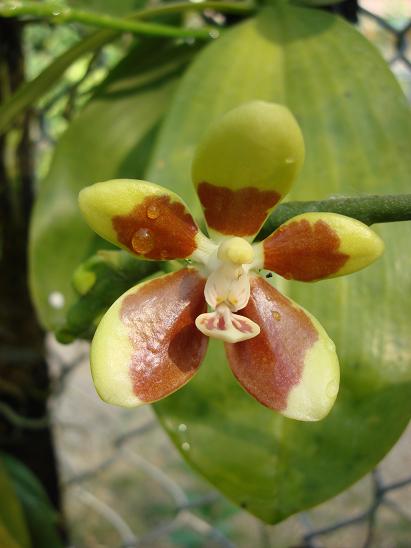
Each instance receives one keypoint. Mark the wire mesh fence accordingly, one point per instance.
(119, 469)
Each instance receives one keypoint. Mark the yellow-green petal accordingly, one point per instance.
(245, 164)
(147, 345)
(315, 246)
(143, 218)
(291, 366)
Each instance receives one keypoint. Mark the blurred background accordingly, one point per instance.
(123, 482)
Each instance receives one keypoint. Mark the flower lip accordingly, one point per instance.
(227, 290)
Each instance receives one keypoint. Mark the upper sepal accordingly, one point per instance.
(314, 246)
(146, 219)
(244, 165)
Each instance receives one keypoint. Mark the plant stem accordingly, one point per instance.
(62, 14)
(33, 90)
(368, 209)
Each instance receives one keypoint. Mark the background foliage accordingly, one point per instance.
(143, 121)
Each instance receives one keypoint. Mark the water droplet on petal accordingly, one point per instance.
(143, 241)
(182, 427)
(332, 389)
(153, 211)
(276, 315)
(185, 446)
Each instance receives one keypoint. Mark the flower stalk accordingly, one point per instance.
(370, 210)
(62, 14)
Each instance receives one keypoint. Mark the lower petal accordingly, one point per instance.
(147, 345)
(291, 366)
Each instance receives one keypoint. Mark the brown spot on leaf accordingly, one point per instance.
(269, 365)
(168, 348)
(304, 251)
(157, 229)
(236, 212)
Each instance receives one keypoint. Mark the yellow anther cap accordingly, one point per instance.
(236, 250)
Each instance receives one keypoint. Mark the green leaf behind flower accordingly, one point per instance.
(111, 138)
(13, 528)
(356, 124)
(41, 519)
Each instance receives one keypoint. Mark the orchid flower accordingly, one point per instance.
(153, 339)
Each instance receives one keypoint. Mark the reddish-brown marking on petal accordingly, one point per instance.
(221, 323)
(157, 229)
(236, 212)
(304, 251)
(242, 326)
(168, 348)
(269, 365)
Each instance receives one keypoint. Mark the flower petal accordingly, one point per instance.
(244, 165)
(313, 246)
(143, 218)
(291, 366)
(147, 345)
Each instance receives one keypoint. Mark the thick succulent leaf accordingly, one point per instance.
(112, 137)
(13, 528)
(356, 126)
(6, 540)
(244, 165)
(315, 246)
(41, 518)
(147, 346)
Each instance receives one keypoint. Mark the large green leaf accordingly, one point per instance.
(111, 138)
(357, 128)
(40, 517)
(13, 527)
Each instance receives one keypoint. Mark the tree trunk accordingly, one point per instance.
(24, 382)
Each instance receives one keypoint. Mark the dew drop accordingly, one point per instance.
(185, 446)
(143, 241)
(332, 389)
(56, 299)
(289, 160)
(182, 427)
(276, 315)
(214, 34)
(153, 211)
